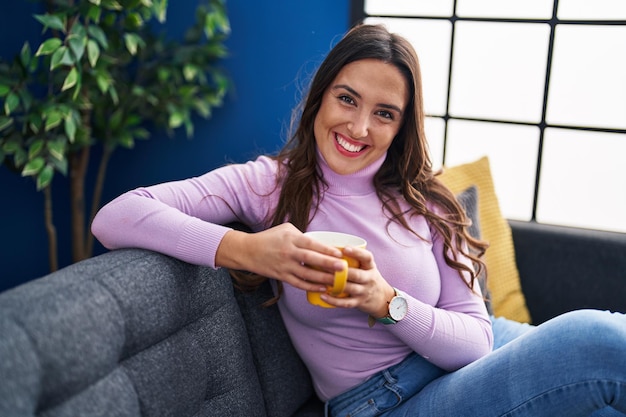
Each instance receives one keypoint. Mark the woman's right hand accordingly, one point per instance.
(281, 252)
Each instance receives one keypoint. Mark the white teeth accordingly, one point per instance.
(348, 146)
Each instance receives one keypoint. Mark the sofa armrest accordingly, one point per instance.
(565, 268)
(128, 332)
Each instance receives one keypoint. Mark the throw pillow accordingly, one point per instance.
(503, 281)
(468, 199)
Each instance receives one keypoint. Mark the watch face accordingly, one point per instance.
(397, 308)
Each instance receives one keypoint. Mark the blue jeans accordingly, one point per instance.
(573, 365)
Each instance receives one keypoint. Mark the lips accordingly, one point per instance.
(348, 146)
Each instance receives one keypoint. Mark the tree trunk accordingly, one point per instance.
(50, 229)
(78, 170)
(97, 194)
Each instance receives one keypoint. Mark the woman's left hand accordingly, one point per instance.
(367, 289)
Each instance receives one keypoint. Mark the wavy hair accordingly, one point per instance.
(407, 171)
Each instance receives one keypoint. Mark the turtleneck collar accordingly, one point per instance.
(357, 183)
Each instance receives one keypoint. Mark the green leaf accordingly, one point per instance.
(26, 55)
(4, 90)
(116, 119)
(26, 99)
(94, 13)
(189, 128)
(96, 2)
(33, 166)
(11, 103)
(20, 157)
(35, 148)
(113, 94)
(57, 149)
(190, 72)
(35, 122)
(132, 42)
(70, 128)
(77, 31)
(49, 47)
(134, 20)
(61, 56)
(51, 21)
(60, 166)
(98, 34)
(126, 140)
(93, 52)
(70, 80)
(138, 91)
(5, 122)
(112, 5)
(163, 74)
(11, 146)
(141, 133)
(176, 119)
(53, 118)
(203, 108)
(160, 10)
(45, 177)
(103, 82)
(77, 46)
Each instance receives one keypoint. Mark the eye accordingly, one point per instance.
(386, 114)
(346, 99)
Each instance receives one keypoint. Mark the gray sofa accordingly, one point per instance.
(136, 333)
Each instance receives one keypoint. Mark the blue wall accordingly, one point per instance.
(273, 47)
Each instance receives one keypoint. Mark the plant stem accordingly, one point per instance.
(52, 231)
(78, 169)
(97, 195)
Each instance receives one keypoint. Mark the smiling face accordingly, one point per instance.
(360, 114)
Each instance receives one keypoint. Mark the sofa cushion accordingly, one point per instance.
(127, 333)
(503, 277)
(284, 379)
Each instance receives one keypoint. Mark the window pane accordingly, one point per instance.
(528, 9)
(431, 40)
(583, 180)
(588, 78)
(512, 151)
(435, 128)
(499, 70)
(409, 7)
(592, 10)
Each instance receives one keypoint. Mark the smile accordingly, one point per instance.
(349, 147)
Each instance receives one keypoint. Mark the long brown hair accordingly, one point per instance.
(407, 170)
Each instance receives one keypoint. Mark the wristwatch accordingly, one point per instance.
(398, 307)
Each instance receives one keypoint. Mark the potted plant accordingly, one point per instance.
(103, 76)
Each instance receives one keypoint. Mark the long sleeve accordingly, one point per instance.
(456, 330)
(184, 218)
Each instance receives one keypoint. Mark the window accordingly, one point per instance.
(539, 86)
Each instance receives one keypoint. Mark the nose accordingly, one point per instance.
(358, 126)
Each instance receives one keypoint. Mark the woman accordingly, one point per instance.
(358, 163)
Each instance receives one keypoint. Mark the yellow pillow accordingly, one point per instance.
(503, 280)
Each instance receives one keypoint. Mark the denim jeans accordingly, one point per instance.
(573, 365)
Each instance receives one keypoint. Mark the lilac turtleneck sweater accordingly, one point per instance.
(446, 322)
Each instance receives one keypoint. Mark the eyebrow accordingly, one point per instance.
(353, 92)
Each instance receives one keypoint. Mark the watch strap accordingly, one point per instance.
(385, 319)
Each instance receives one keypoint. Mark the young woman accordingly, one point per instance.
(358, 163)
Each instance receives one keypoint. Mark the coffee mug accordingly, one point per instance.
(338, 240)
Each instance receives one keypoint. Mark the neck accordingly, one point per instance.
(358, 183)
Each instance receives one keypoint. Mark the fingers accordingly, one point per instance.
(363, 256)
